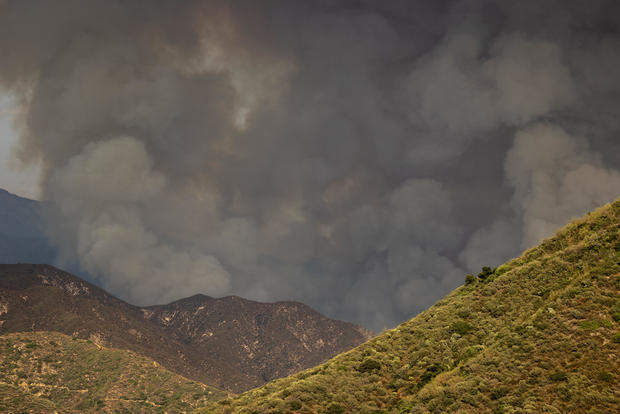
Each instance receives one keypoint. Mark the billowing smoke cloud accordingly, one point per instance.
(458, 91)
(556, 178)
(360, 156)
(102, 194)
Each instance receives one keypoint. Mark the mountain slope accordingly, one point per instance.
(271, 339)
(47, 371)
(43, 298)
(538, 334)
(253, 342)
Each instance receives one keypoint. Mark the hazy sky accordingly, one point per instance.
(15, 177)
(360, 156)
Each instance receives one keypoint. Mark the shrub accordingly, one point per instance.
(543, 293)
(470, 279)
(334, 408)
(369, 365)
(605, 376)
(461, 327)
(558, 376)
(589, 325)
(499, 392)
(485, 273)
(463, 314)
(606, 323)
(615, 313)
(617, 337)
(294, 405)
(430, 373)
(470, 351)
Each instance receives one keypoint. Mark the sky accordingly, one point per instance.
(360, 156)
(15, 177)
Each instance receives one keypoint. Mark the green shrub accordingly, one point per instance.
(470, 351)
(461, 327)
(558, 376)
(464, 314)
(606, 323)
(369, 365)
(470, 279)
(605, 376)
(499, 392)
(430, 373)
(485, 273)
(334, 408)
(294, 405)
(616, 337)
(589, 325)
(615, 313)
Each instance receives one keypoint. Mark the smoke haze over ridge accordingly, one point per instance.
(358, 156)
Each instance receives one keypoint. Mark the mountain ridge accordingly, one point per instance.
(305, 336)
(42, 297)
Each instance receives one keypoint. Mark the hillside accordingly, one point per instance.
(230, 343)
(538, 334)
(43, 298)
(271, 339)
(47, 371)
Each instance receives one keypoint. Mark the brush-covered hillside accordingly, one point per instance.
(538, 334)
(44, 372)
(230, 343)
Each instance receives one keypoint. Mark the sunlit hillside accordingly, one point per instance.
(44, 372)
(538, 334)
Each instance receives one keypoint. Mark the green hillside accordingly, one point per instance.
(47, 372)
(538, 334)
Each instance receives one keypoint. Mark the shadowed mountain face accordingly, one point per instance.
(230, 343)
(22, 236)
(262, 341)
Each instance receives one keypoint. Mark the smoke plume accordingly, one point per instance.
(357, 155)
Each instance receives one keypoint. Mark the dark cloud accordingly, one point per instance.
(360, 156)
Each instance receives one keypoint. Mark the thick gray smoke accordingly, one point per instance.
(357, 155)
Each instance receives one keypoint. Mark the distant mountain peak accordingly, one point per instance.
(230, 342)
(22, 231)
